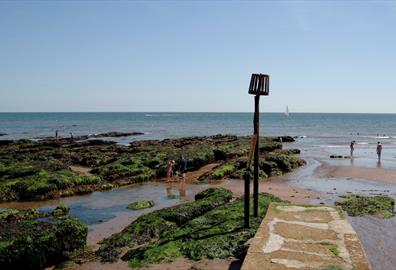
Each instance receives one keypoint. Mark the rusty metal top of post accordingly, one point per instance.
(259, 84)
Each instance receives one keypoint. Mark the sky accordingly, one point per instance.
(197, 56)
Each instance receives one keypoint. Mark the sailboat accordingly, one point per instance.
(287, 111)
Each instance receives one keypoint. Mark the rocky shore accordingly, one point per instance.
(29, 243)
(41, 170)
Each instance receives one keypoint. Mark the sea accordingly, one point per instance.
(169, 125)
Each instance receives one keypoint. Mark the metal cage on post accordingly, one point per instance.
(259, 85)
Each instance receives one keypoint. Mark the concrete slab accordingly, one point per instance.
(305, 237)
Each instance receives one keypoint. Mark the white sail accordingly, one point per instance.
(287, 111)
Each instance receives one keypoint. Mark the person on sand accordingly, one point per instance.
(56, 134)
(379, 150)
(183, 168)
(352, 146)
(169, 170)
(71, 137)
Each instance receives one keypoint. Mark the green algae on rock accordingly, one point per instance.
(210, 227)
(31, 244)
(61, 210)
(39, 170)
(222, 171)
(31, 181)
(141, 205)
(15, 214)
(357, 205)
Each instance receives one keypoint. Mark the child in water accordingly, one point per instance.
(169, 170)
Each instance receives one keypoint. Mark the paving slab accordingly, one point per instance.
(305, 237)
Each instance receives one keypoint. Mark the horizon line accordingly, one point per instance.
(281, 112)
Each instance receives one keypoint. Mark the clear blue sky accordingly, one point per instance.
(329, 56)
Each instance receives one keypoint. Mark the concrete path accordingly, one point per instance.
(305, 238)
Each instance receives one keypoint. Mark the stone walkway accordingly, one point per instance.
(305, 238)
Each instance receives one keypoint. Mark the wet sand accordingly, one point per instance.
(277, 186)
(382, 175)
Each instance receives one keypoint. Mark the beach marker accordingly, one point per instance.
(259, 86)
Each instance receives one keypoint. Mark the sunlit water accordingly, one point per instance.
(99, 207)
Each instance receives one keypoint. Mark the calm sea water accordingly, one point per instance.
(166, 125)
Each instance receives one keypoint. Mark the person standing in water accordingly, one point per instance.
(379, 150)
(169, 170)
(183, 167)
(352, 146)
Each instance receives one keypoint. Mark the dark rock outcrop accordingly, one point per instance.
(30, 244)
(117, 134)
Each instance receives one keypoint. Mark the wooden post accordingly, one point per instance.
(246, 178)
(256, 122)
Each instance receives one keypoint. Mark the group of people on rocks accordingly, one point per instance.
(176, 168)
(378, 150)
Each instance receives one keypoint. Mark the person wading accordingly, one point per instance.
(352, 146)
(379, 150)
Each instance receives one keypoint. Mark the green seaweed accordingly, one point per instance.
(210, 227)
(38, 170)
(332, 267)
(334, 249)
(141, 205)
(222, 171)
(357, 205)
(285, 162)
(61, 210)
(29, 244)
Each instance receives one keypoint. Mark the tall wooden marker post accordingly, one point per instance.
(259, 86)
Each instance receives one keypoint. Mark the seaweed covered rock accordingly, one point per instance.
(286, 163)
(219, 172)
(38, 179)
(154, 225)
(30, 244)
(269, 146)
(38, 170)
(270, 168)
(217, 232)
(61, 210)
(357, 205)
(14, 215)
(140, 205)
(289, 151)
